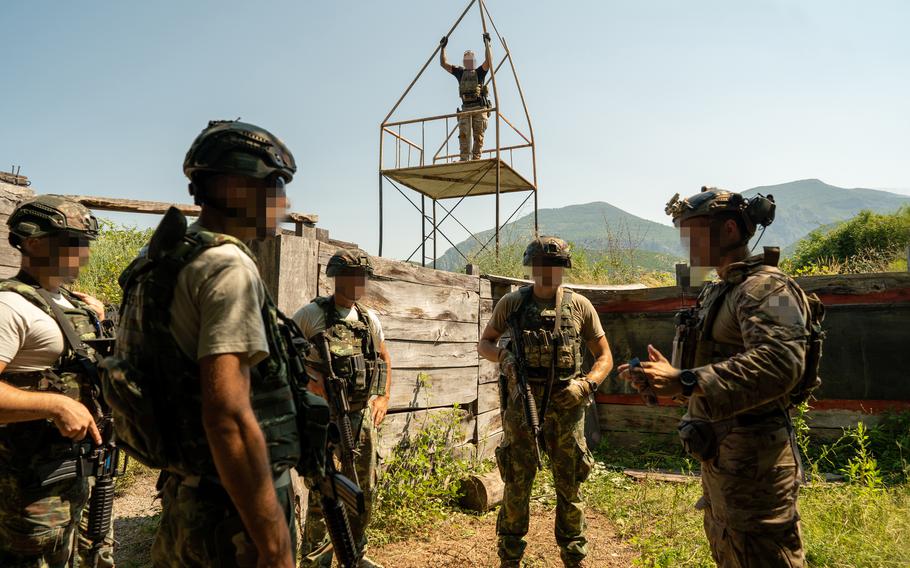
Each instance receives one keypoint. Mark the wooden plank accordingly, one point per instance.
(407, 272)
(488, 372)
(660, 475)
(160, 207)
(488, 423)
(487, 397)
(486, 289)
(298, 272)
(638, 440)
(486, 447)
(838, 419)
(643, 419)
(420, 355)
(485, 312)
(432, 388)
(10, 196)
(410, 300)
(397, 327)
(397, 426)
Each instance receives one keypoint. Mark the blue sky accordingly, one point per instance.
(631, 101)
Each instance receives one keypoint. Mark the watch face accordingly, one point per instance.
(688, 378)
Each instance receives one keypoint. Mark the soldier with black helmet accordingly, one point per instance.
(49, 397)
(200, 381)
(556, 325)
(351, 335)
(740, 357)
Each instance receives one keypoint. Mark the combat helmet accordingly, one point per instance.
(349, 260)
(234, 147)
(50, 214)
(548, 251)
(711, 201)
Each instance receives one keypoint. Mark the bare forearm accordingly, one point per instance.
(239, 450)
(488, 350)
(442, 59)
(17, 405)
(601, 368)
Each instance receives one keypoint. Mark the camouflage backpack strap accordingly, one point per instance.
(526, 293)
(27, 291)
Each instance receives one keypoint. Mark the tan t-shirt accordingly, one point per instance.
(30, 339)
(587, 322)
(217, 306)
(311, 320)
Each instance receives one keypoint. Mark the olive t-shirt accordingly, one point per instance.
(217, 306)
(587, 322)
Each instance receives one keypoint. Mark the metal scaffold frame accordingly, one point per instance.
(444, 178)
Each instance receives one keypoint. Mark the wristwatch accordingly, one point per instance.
(592, 384)
(689, 381)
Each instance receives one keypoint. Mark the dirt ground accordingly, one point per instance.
(464, 541)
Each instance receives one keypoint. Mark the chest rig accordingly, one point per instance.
(545, 346)
(354, 347)
(153, 387)
(74, 374)
(471, 91)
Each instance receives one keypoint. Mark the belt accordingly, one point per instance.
(208, 484)
(746, 420)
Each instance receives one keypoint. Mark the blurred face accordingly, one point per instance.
(468, 62)
(708, 242)
(547, 276)
(257, 205)
(351, 285)
(59, 257)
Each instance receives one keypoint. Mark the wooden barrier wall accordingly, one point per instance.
(10, 196)
(431, 320)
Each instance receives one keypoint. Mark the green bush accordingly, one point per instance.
(421, 479)
(869, 242)
(115, 248)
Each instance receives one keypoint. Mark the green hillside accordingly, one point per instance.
(803, 206)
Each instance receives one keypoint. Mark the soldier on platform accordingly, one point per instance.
(49, 390)
(473, 93)
(352, 335)
(554, 326)
(742, 356)
(200, 336)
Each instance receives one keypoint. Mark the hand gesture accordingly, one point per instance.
(444, 41)
(73, 420)
(576, 392)
(486, 37)
(660, 375)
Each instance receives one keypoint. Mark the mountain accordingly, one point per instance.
(802, 206)
(806, 205)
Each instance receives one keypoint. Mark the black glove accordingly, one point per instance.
(444, 41)
(486, 37)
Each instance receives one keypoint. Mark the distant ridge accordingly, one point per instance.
(802, 206)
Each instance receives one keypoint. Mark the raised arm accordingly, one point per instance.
(442, 54)
(488, 53)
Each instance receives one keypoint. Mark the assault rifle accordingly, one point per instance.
(532, 418)
(342, 431)
(337, 493)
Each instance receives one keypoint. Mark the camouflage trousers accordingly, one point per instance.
(317, 548)
(471, 127)
(750, 493)
(41, 527)
(570, 462)
(200, 527)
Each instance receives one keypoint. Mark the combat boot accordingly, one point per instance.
(365, 562)
(510, 564)
(575, 563)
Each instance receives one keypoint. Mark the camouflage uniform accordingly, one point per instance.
(41, 527)
(751, 330)
(554, 337)
(347, 340)
(471, 126)
(153, 381)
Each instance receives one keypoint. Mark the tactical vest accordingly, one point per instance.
(545, 347)
(25, 444)
(694, 345)
(354, 346)
(470, 89)
(153, 387)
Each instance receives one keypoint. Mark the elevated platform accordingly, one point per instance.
(458, 179)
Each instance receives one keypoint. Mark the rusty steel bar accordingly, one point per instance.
(439, 117)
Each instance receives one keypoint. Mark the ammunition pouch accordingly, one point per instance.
(701, 438)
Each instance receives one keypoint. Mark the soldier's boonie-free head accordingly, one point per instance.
(350, 268)
(241, 169)
(469, 60)
(548, 258)
(53, 233)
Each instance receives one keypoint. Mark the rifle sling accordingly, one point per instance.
(66, 326)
